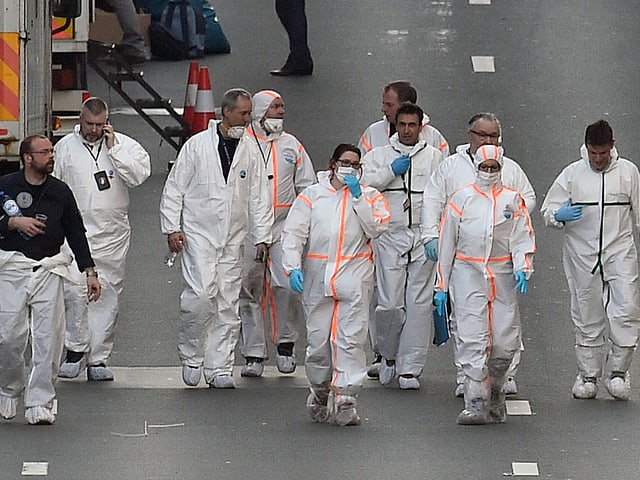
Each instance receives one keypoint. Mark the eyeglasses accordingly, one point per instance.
(492, 136)
(347, 163)
(489, 168)
(46, 151)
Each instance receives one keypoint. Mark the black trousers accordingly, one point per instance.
(293, 18)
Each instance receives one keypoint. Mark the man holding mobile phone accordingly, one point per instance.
(100, 166)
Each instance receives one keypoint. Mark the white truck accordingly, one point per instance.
(42, 81)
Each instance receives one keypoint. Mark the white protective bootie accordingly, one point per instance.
(39, 416)
(223, 381)
(72, 369)
(253, 368)
(618, 385)
(8, 407)
(585, 388)
(476, 403)
(497, 404)
(345, 411)
(191, 375)
(317, 405)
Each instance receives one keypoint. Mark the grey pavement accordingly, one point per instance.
(559, 65)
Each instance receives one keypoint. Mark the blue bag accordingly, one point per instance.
(180, 33)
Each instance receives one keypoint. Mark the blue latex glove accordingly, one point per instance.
(521, 282)
(567, 213)
(296, 280)
(440, 299)
(431, 249)
(400, 165)
(352, 182)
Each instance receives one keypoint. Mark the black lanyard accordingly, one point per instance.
(95, 157)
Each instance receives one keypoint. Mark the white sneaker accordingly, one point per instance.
(584, 388)
(252, 369)
(286, 363)
(459, 391)
(72, 370)
(39, 416)
(510, 386)
(8, 407)
(223, 381)
(99, 373)
(409, 383)
(387, 373)
(191, 375)
(618, 387)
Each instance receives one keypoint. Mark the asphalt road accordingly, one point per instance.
(558, 67)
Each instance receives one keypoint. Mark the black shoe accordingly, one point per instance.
(292, 72)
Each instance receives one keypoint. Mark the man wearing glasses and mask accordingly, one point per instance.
(404, 275)
(455, 172)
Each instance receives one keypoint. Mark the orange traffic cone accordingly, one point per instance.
(190, 94)
(204, 110)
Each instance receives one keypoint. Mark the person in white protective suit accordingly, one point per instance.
(265, 292)
(377, 135)
(330, 224)
(38, 212)
(453, 173)
(99, 165)
(215, 190)
(485, 250)
(596, 200)
(404, 275)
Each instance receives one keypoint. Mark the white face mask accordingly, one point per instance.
(273, 125)
(235, 132)
(487, 179)
(344, 171)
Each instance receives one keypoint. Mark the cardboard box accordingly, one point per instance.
(106, 28)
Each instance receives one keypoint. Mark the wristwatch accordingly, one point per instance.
(92, 274)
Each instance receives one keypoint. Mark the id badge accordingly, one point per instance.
(406, 204)
(102, 180)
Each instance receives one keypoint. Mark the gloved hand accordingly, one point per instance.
(431, 249)
(440, 299)
(567, 213)
(296, 280)
(521, 282)
(400, 165)
(352, 182)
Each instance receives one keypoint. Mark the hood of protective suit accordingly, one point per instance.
(324, 178)
(489, 152)
(408, 150)
(584, 154)
(261, 102)
(487, 180)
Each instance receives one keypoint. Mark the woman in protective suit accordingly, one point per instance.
(334, 220)
(486, 240)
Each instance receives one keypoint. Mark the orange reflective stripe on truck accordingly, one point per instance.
(9, 76)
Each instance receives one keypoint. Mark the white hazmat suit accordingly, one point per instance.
(289, 171)
(600, 260)
(453, 173)
(91, 326)
(214, 216)
(404, 275)
(335, 229)
(486, 236)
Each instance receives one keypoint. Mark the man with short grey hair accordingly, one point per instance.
(215, 190)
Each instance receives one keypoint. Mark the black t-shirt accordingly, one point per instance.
(54, 199)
